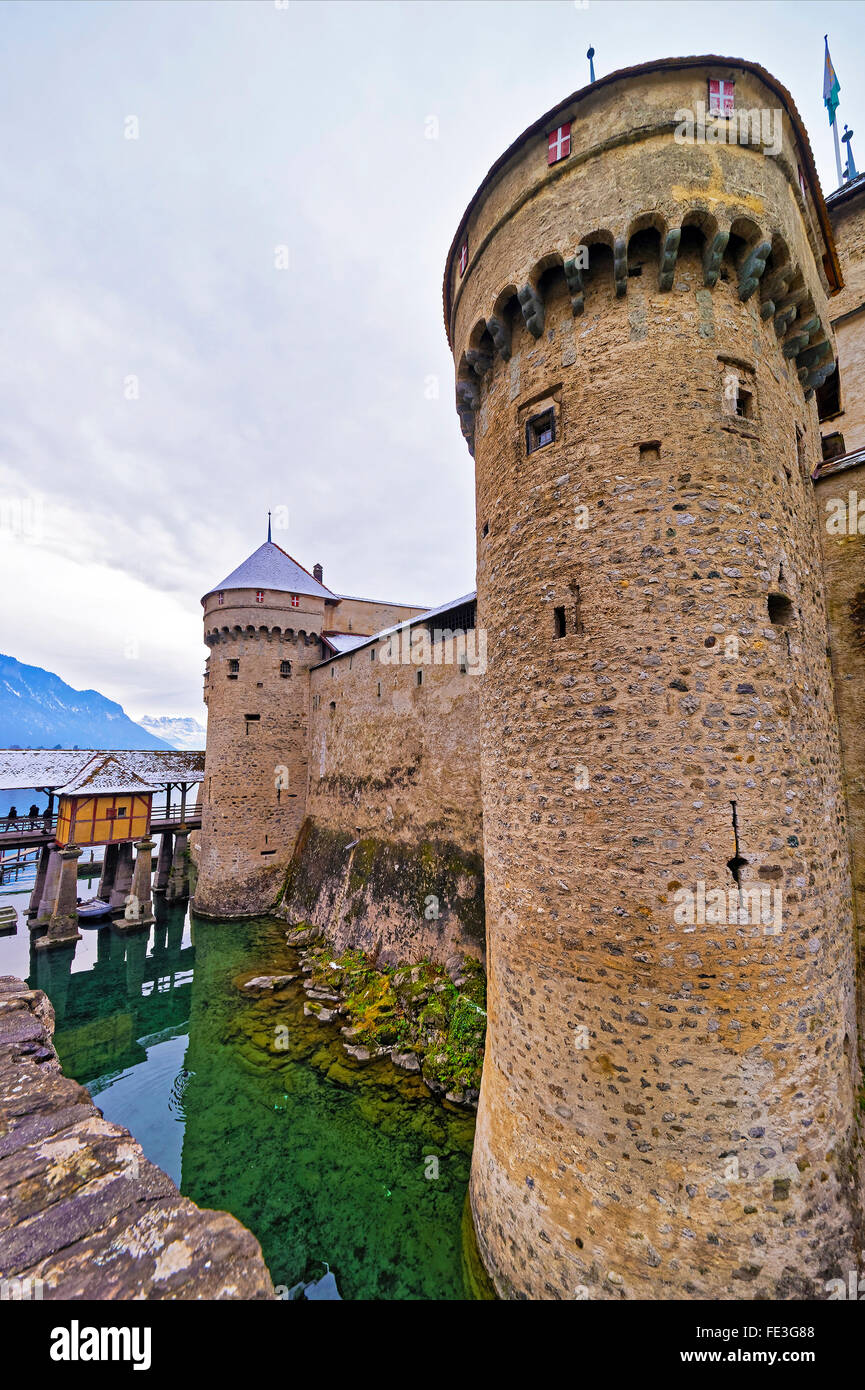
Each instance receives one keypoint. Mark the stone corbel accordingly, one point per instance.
(669, 255)
(480, 362)
(752, 269)
(533, 309)
(712, 258)
(574, 277)
(812, 357)
(784, 318)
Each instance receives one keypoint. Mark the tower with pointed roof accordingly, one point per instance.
(267, 623)
(263, 624)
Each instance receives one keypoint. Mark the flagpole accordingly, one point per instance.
(831, 88)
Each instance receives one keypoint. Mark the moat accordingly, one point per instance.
(256, 1109)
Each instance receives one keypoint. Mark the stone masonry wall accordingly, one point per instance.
(367, 616)
(843, 539)
(667, 1110)
(848, 317)
(392, 858)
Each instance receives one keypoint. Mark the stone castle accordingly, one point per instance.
(641, 796)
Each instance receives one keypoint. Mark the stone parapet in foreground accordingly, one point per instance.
(81, 1208)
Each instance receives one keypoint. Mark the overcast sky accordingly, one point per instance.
(241, 307)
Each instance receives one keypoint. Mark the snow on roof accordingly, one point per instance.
(270, 567)
(838, 465)
(55, 767)
(106, 775)
(345, 641)
(407, 622)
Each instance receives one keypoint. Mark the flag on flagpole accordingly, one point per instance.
(831, 86)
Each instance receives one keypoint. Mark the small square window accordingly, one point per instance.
(420, 677)
(744, 404)
(559, 143)
(233, 667)
(121, 810)
(285, 668)
(295, 600)
(540, 430)
(721, 97)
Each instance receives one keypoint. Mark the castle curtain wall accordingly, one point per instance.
(391, 856)
(844, 563)
(848, 319)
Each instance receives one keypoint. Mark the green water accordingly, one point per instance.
(255, 1109)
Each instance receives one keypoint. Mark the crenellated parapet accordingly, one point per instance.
(262, 632)
(636, 188)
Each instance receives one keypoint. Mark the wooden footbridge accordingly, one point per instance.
(103, 797)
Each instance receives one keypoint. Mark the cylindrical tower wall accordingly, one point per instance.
(668, 1105)
(255, 777)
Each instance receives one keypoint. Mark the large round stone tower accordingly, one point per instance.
(637, 304)
(263, 626)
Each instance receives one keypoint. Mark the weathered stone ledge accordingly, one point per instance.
(81, 1208)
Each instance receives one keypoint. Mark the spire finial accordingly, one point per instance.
(590, 55)
(851, 172)
(268, 525)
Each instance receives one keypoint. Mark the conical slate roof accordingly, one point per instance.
(269, 567)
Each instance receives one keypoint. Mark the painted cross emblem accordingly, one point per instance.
(559, 143)
(295, 600)
(721, 96)
(464, 257)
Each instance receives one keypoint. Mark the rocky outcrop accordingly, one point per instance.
(83, 1213)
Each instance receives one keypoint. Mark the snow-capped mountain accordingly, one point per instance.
(176, 731)
(39, 710)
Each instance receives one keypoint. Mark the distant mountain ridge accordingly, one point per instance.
(39, 710)
(178, 731)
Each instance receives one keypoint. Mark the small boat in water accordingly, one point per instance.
(93, 910)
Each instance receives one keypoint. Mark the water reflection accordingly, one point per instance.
(255, 1108)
